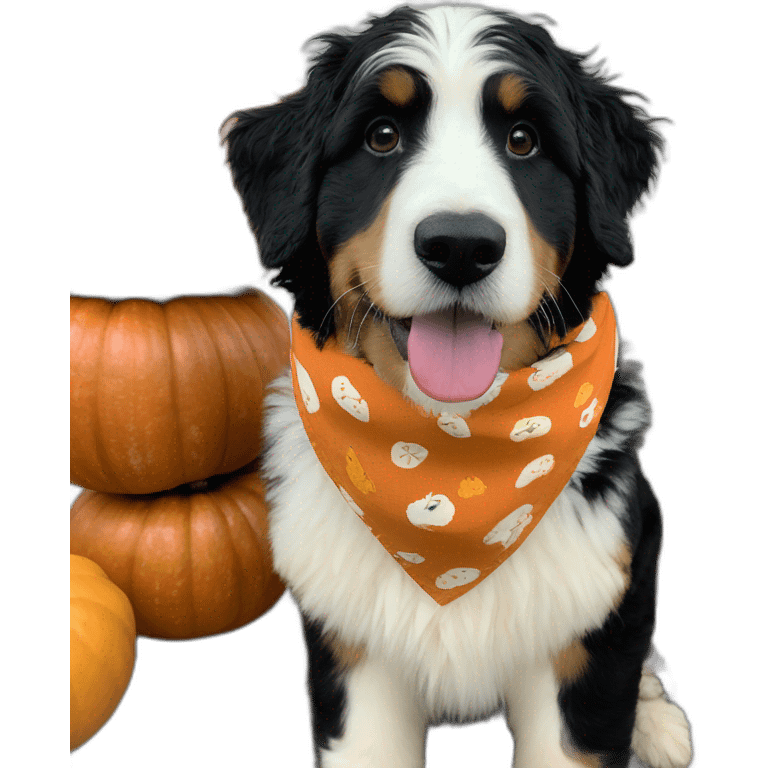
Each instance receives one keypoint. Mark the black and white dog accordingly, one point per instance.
(449, 110)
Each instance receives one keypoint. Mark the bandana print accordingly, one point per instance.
(452, 497)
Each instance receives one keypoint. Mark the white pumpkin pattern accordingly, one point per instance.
(349, 398)
(437, 510)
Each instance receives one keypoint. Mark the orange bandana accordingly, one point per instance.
(451, 498)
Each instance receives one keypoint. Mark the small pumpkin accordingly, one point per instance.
(163, 394)
(102, 648)
(194, 562)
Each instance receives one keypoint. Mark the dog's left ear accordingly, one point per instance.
(272, 154)
(619, 158)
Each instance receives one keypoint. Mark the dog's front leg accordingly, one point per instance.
(534, 718)
(382, 723)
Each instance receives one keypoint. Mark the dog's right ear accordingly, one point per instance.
(272, 153)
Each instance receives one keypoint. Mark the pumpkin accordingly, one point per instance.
(102, 648)
(194, 561)
(163, 394)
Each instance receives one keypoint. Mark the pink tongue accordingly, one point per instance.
(453, 359)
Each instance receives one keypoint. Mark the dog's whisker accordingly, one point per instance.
(349, 290)
(559, 311)
(546, 315)
(567, 292)
(330, 309)
(363, 295)
(378, 314)
(554, 303)
(360, 327)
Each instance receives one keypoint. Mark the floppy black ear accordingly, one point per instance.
(274, 153)
(271, 152)
(619, 158)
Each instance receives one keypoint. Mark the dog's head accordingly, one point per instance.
(447, 175)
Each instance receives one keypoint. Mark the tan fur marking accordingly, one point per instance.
(397, 86)
(623, 558)
(522, 346)
(358, 261)
(591, 761)
(511, 92)
(546, 259)
(380, 350)
(355, 269)
(571, 662)
(346, 656)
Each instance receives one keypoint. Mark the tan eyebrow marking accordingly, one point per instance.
(511, 92)
(397, 86)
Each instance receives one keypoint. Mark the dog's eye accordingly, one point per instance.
(522, 140)
(382, 136)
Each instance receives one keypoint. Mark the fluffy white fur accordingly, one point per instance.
(493, 647)
(423, 661)
(661, 736)
(457, 171)
(459, 657)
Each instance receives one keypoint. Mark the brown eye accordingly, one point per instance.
(382, 137)
(522, 140)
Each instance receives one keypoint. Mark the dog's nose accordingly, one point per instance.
(460, 248)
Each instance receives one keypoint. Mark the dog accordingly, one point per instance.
(453, 163)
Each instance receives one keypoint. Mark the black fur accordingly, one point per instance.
(627, 398)
(298, 165)
(599, 708)
(325, 687)
(357, 182)
(279, 156)
(606, 151)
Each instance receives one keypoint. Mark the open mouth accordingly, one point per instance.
(453, 354)
(400, 328)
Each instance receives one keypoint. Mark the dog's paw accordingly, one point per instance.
(661, 737)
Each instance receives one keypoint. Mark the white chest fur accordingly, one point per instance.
(562, 582)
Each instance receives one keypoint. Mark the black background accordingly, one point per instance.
(159, 216)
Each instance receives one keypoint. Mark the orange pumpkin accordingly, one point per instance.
(163, 394)
(194, 562)
(102, 648)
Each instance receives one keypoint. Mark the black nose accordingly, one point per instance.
(460, 248)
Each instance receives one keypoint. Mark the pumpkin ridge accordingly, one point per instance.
(189, 504)
(226, 508)
(93, 337)
(117, 616)
(105, 465)
(131, 570)
(194, 561)
(102, 648)
(129, 394)
(174, 381)
(277, 336)
(270, 582)
(223, 367)
(194, 354)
